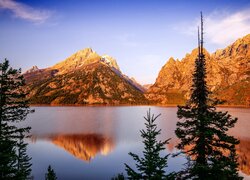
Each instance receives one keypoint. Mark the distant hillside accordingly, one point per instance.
(83, 78)
(228, 76)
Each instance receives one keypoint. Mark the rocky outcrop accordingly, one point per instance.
(228, 76)
(33, 69)
(110, 61)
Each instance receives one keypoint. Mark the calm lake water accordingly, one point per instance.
(93, 142)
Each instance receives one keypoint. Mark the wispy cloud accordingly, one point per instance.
(221, 27)
(24, 11)
(224, 30)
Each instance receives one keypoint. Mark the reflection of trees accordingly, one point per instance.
(243, 152)
(83, 146)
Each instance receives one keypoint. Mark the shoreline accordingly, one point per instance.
(121, 105)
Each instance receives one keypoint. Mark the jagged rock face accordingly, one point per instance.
(77, 60)
(110, 61)
(228, 77)
(234, 66)
(88, 79)
(33, 69)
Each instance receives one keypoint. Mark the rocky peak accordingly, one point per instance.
(171, 60)
(110, 61)
(240, 47)
(85, 53)
(77, 60)
(33, 69)
(227, 75)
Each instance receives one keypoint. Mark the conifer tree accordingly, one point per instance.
(120, 176)
(23, 160)
(152, 165)
(50, 175)
(13, 109)
(203, 130)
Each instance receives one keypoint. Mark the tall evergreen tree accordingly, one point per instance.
(13, 109)
(152, 165)
(23, 160)
(203, 130)
(50, 175)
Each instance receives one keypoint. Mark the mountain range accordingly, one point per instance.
(228, 76)
(88, 78)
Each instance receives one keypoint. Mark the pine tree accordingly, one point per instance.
(203, 131)
(120, 176)
(13, 109)
(50, 175)
(152, 165)
(23, 160)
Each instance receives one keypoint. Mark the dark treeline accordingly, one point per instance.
(15, 163)
(14, 108)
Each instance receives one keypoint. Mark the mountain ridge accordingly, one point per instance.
(83, 78)
(228, 76)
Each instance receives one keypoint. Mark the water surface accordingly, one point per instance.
(93, 142)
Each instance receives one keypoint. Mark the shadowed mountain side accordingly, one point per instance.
(94, 83)
(228, 76)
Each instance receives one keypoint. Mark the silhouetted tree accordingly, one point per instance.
(203, 131)
(118, 177)
(13, 109)
(23, 160)
(151, 165)
(50, 175)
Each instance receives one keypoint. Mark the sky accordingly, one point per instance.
(140, 34)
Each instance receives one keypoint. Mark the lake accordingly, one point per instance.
(94, 142)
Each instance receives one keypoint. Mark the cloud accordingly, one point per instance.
(221, 27)
(25, 12)
(225, 30)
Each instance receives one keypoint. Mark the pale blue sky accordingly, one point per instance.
(140, 34)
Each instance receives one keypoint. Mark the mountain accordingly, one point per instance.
(83, 78)
(228, 76)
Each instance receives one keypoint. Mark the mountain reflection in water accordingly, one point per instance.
(243, 150)
(103, 136)
(83, 146)
(87, 146)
